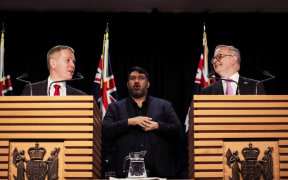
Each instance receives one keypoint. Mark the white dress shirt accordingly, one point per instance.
(234, 77)
(62, 89)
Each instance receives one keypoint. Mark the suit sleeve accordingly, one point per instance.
(170, 126)
(111, 126)
(26, 91)
(261, 89)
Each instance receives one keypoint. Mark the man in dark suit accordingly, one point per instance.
(61, 66)
(226, 63)
(142, 123)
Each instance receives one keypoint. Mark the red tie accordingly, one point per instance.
(57, 92)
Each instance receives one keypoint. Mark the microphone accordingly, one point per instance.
(212, 75)
(22, 77)
(78, 77)
(270, 77)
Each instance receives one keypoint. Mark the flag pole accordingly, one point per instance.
(206, 50)
(106, 52)
(2, 53)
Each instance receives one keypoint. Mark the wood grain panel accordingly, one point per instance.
(221, 98)
(208, 143)
(78, 166)
(283, 150)
(41, 120)
(3, 166)
(217, 118)
(4, 151)
(241, 135)
(208, 158)
(283, 142)
(31, 128)
(3, 158)
(284, 166)
(228, 112)
(78, 143)
(208, 151)
(46, 99)
(56, 105)
(31, 113)
(4, 143)
(208, 166)
(3, 173)
(255, 127)
(46, 135)
(208, 174)
(78, 159)
(240, 105)
(72, 119)
(78, 174)
(246, 120)
(78, 151)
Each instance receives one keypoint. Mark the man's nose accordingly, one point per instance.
(72, 64)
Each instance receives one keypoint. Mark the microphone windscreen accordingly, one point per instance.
(78, 74)
(211, 74)
(266, 73)
(25, 75)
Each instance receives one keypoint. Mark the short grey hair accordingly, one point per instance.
(232, 50)
(56, 49)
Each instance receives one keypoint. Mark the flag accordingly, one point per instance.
(104, 84)
(5, 81)
(201, 79)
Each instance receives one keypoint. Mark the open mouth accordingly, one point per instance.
(136, 87)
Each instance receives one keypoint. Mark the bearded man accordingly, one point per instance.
(142, 123)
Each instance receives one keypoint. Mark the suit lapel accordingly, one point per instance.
(219, 88)
(150, 107)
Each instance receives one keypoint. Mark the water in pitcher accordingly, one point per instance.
(137, 169)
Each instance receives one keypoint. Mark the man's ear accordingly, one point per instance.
(234, 60)
(148, 84)
(52, 62)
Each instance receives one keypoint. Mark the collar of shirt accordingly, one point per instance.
(52, 89)
(234, 77)
(135, 104)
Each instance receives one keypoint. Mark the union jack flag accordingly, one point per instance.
(104, 84)
(5, 81)
(201, 79)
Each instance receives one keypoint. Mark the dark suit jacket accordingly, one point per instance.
(246, 87)
(40, 89)
(116, 129)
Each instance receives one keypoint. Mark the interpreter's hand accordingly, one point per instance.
(152, 125)
(143, 121)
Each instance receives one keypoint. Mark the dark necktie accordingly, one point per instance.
(57, 92)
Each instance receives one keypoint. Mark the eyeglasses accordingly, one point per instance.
(219, 57)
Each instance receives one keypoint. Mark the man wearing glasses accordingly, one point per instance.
(226, 63)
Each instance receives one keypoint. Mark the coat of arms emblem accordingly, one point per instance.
(251, 168)
(36, 168)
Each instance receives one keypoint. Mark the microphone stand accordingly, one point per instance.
(20, 78)
(266, 73)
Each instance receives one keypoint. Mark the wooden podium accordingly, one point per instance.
(220, 122)
(70, 123)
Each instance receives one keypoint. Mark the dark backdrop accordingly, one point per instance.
(168, 45)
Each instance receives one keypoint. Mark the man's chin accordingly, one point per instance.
(137, 95)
